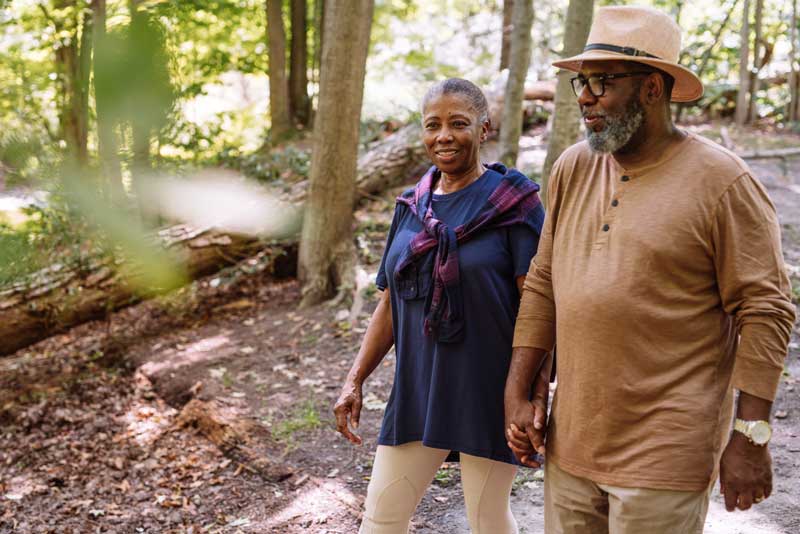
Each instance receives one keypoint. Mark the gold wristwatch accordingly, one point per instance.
(758, 432)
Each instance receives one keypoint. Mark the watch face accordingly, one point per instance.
(760, 433)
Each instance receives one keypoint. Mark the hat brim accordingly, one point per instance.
(688, 86)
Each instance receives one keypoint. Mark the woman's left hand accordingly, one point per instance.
(348, 407)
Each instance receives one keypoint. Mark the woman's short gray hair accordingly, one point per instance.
(466, 88)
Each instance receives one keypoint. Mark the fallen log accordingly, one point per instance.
(396, 160)
(59, 297)
(233, 437)
(769, 154)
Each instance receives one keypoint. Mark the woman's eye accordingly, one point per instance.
(460, 124)
(431, 126)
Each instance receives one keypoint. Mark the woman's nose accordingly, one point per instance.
(445, 135)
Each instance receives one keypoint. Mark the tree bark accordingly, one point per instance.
(57, 298)
(566, 117)
(521, 44)
(742, 106)
(281, 124)
(110, 172)
(707, 54)
(326, 249)
(505, 48)
(299, 103)
(794, 85)
(71, 66)
(758, 63)
(397, 160)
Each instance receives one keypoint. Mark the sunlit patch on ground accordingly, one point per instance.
(720, 521)
(206, 349)
(314, 504)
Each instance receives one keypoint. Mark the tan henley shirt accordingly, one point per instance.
(663, 286)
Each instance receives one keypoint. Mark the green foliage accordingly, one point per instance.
(285, 165)
(49, 235)
(303, 418)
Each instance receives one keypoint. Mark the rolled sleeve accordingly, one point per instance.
(753, 284)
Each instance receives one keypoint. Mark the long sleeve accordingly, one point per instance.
(536, 321)
(753, 284)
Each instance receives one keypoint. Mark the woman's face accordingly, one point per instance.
(452, 133)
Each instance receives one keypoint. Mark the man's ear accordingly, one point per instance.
(654, 88)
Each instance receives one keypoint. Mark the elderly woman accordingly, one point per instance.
(457, 252)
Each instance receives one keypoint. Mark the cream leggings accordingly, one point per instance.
(402, 473)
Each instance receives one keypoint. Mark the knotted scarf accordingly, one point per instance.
(512, 202)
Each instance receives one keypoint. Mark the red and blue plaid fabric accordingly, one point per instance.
(512, 202)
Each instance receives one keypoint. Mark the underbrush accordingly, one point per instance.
(47, 236)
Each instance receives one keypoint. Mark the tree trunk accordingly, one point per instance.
(742, 106)
(71, 63)
(397, 160)
(505, 49)
(278, 86)
(566, 117)
(794, 86)
(707, 54)
(521, 44)
(326, 245)
(758, 63)
(110, 173)
(59, 298)
(299, 103)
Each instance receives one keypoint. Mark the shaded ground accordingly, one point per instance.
(91, 439)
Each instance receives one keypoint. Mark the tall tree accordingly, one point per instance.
(794, 82)
(278, 85)
(110, 173)
(505, 49)
(707, 54)
(299, 103)
(521, 44)
(73, 61)
(326, 256)
(742, 106)
(758, 61)
(566, 117)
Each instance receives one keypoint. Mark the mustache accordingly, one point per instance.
(588, 113)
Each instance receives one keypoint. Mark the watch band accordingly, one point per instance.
(757, 432)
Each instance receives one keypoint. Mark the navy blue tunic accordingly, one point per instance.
(450, 395)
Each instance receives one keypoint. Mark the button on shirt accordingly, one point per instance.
(646, 277)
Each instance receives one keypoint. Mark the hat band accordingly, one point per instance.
(627, 50)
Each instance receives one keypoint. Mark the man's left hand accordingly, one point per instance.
(745, 473)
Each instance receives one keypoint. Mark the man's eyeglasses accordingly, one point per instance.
(597, 82)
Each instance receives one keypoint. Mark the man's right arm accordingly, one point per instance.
(534, 337)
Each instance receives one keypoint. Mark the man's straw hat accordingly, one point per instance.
(641, 34)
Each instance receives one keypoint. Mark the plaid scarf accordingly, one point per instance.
(512, 202)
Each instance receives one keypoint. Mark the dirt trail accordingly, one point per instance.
(90, 443)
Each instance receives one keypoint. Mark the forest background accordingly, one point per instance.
(223, 149)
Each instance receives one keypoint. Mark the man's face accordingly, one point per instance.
(612, 119)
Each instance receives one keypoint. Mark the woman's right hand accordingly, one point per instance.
(348, 410)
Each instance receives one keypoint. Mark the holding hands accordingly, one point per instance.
(526, 420)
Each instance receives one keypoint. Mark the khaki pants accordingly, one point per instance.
(574, 505)
(402, 473)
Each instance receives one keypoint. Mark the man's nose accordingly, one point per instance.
(586, 98)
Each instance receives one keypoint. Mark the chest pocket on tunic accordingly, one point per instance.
(417, 283)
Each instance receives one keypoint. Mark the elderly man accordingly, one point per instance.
(660, 278)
